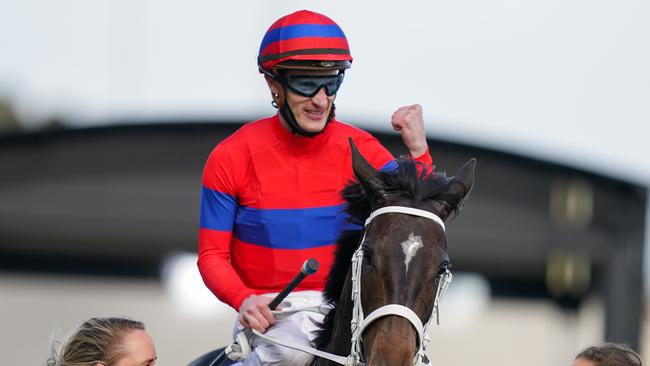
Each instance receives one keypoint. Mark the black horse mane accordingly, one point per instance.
(405, 181)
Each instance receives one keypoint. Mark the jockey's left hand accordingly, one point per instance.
(409, 121)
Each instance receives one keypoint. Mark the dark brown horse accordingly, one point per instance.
(404, 258)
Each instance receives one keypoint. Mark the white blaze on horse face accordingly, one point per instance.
(410, 246)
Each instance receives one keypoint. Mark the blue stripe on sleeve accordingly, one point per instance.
(217, 210)
(290, 228)
(389, 167)
(301, 30)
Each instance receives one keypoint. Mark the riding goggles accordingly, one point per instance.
(309, 85)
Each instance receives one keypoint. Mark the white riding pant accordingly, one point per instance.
(294, 322)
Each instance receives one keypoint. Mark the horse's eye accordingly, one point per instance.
(444, 265)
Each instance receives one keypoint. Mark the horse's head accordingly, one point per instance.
(404, 254)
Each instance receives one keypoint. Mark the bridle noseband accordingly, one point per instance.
(360, 323)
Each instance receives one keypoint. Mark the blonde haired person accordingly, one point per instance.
(106, 342)
(608, 354)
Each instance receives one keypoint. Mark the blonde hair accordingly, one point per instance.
(96, 341)
(611, 354)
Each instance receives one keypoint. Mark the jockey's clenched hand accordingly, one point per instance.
(254, 313)
(408, 120)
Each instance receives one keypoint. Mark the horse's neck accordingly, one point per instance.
(341, 335)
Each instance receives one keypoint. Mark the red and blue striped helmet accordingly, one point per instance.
(304, 39)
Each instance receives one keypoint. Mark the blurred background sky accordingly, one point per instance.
(561, 81)
(566, 81)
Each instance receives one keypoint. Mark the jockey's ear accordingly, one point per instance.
(366, 174)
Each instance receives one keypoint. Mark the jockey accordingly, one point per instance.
(271, 191)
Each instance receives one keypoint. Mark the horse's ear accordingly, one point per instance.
(366, 174)
(459, 187)
(463, 181)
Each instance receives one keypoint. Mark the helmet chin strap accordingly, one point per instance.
(287, 114)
